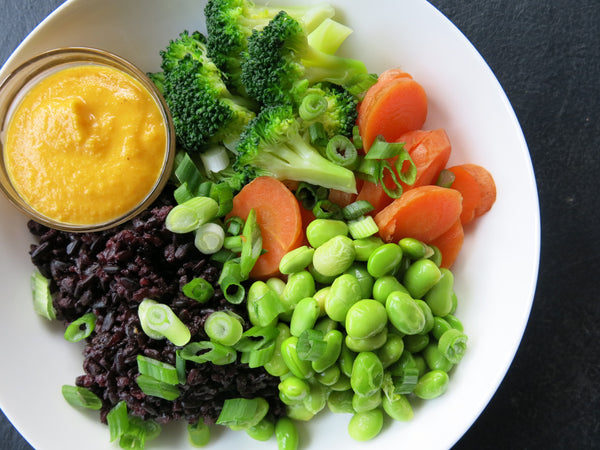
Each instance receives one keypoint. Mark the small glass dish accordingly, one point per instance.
(21, 80)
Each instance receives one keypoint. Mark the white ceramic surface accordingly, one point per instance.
(495, 274)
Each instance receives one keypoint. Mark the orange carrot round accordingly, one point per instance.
(394, 107)
(278, 215)
(449, 243)
(487, 187)
(374, 194)
(424, 213)
(430, 151)
(465, 183)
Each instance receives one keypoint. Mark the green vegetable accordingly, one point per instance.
(363, 403)
(198, 289)
(81, 328)
(241, 413)
(296, 260)
(299, 367)
(81, 397)
(209, 238)
(432, 384)
(223, 327)
(304, 316)
(198, 433)
(117, 420)
(384, 286)
(345, 291)
(398, 408)
(453, 345)
(319, 231)
(189, 216)
(286, 434)
(439, 297)
(156, 388)
(333, 346)
(42, 299)
(217, 354)
(364, 426)
(158, 370)
(299, 285)
(367, 374)
(334, 257)
(365, 246)
(341, 151)
(404, 313)
(159, 321)
(384, 260)
(435, 358)
(341, 401)
(365, 318)
(363, 227)
(263, 304)
(262, 431)
(294, 388)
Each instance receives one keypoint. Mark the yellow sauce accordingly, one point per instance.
(85, 145)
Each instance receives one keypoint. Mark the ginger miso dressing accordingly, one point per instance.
(86, 144)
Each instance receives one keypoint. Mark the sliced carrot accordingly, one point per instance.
(424, 213)
(374, 194)
(391, 74)
(395, 108)
(430, 151)
(487, 186)
(449, 243)
(279, 218)
(465, 183)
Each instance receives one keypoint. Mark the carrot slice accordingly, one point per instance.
(450, 243)
(390, 108)
(424, 213)
(374, 194)
(487, 186)
(279, 218)
(465, 183)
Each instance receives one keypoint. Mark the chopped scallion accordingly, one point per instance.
(187, 172)
(42, 298)
(326, 209)
(446, 178)
(198, 433)
(158, 370)
(311, 345)
(222, 193)
(159, 321)
(256, 337)
(155, 388)
(209, 238)
(188, 216)
(230, 282)
(207, 351)
(81, 397)
(81, 328)
(182, 194)
(117, 420)
(252, 245)
(356, 209)
(312, 106)
(309, 194)
(341, 151)
(241, 413)
(363, 227)
(198, 289)
(215, 158)
(234, 225)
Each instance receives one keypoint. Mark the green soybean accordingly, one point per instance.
(296, 260)
(362, 403)
(298, 411)
(428, 315)
(439, 297)
(415, 249)
(364, 278)
(404, 313)
(366, 425)
(384, 286)
(366, 318)
(341, 402)
(262, 431)
(346, 360)
(335, 256)
(316, 399)
(435, 359)
(294, 388)
(367, 374)
(319, 277)
(276, 366)
(432, 384)
(421, 276)
(454, 322)
(343, 384)
(414, 343)
(398, 407)
(344, 292)
(440, 326)
(277, 284)
(298, 367)
(326, 324)
(320, 297)
(384, 260)
(286, 434)
(367, 344)
(329, 376)
(392, 350)
(299, 285)
(364, 247)
(436, 256)
(333, 340)
(304, 316)
(320, 231)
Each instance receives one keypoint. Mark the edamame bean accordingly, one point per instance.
(299, 285)
(294, 388)
(366, 425)
(326, 324)
(436, 257)
(398, 407)
(329, 376)
(415, 249)
(343, 384)
(296, 260)
(365, 319)
(320, 231)
(316, 399)
(428, 315)
(404, 313)
(276, 284)
(439, 297)
(334, 256)
(262, 431)
(346, 360)
(320, 278)
(367, 374)
(454, 322)
(367, 344)
(333, 340)
(276, 366)
(286, 434)
(341, 401)
(435, 359)
(298, 411)
(362, 403)
(384, 286)
(421, 276)
(345, 291)
(440, 326)
(414, 343)
(364, 247)
(384, 260)
(365, 280)
(300, 368)
(420, 363)
(304, 316)
(320, 297)
(431, 385)
(392, 350)
(454, 303)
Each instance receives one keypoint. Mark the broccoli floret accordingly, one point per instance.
(229, 23)
(203, 110)
(273, 144)
(279, 62)
(341, 110)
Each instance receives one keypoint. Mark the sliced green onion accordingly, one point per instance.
(150, 429)
(446, 178)
(198, 289)
(241, 413)
(187, 172)
(158, 370)
(223, 327)
(407, 175)
(263, 304)
(42, 298)
(406, 381)
(257, 337)
(234, 225)
(356, 138)
(204, 189)
(155, 388)
(207, 351)
(381, 149)
(233, 243)
(363, 227)
(224, 255)
(81, 328)
(117, 420)
(198, 433)
(356, 209)
(326, 209)
(396, 192)
(309, 194)
(341, 151)
(133, 439)
(230, 282)
(182, 194)
(311, 345)
(317, 134)
(260, 356)
(159, 321)
(368, 170)
(453, 345)
(252, 246)
(180, 366)
(188, 216)
(222, 193)
(209, 238)
(215, 158)
(312, 106)
(81, 397)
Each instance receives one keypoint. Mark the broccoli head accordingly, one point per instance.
(279, 62)
(203, 110)
(229, 23)
(274, 144)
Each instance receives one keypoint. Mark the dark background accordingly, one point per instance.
(546, 55)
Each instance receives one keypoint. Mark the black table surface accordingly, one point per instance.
(546, 55)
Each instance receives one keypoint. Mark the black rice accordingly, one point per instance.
(109, 273)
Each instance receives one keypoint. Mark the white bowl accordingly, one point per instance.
(495, 273)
